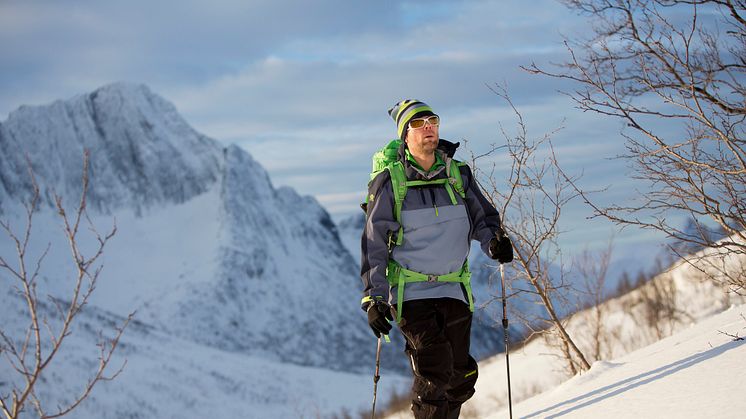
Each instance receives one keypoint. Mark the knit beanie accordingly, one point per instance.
(407, 110)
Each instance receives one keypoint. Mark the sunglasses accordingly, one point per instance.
(433, 120)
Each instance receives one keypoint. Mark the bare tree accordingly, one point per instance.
(660, 311)
(593, 268)
(32, 352)
(673, 72)
(532, 203)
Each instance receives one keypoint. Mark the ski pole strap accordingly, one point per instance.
(372, 300)
(369, 299)
(399, 276)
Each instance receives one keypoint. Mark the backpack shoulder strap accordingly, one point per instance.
(453, 170)
(399, 186)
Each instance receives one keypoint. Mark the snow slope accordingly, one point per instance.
(166, 376)
(627, 323)
(695, 373)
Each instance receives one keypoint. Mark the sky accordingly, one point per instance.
(305, 86)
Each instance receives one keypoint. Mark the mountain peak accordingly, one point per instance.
(129, 98)
(125, 88)
(139, 145)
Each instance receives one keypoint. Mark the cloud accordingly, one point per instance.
(56, 46)
(304, 88)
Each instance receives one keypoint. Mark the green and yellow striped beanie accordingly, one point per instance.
(405, 111)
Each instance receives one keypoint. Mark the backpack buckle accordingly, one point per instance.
(432, 278)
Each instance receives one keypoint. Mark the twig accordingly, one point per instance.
(735, 337)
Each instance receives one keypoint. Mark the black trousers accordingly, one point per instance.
(437, 332)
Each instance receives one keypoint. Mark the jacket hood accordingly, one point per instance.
(448, 147)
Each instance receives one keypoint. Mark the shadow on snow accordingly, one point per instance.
(627, 384)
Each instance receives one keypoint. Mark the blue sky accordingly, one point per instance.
(304, 85)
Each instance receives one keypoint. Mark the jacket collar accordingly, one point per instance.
(443, 154)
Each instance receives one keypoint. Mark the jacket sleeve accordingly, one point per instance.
(380, 221)
(485, 219)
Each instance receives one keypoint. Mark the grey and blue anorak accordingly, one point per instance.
(437, 234)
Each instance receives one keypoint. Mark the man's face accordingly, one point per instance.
(424, 139)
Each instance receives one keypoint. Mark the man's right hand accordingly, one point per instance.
(379, 315)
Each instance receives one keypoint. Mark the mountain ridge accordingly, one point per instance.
(207, 248)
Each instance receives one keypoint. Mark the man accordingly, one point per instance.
(414, 258)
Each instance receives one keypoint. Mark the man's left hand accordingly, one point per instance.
(501, 249)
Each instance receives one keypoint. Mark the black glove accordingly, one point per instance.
(379, 314)
(501, 248)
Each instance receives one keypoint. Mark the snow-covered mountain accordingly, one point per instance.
(226, 259)
(217, 263)
(143, 153)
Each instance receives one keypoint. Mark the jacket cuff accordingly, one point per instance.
(370, 299)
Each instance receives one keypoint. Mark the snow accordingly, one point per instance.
(695, 373)
(169, 377)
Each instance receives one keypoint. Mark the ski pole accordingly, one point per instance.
(505, 333)
(376, 377)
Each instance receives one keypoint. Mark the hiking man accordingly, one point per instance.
(422, 213)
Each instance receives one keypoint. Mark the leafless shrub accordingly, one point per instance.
(673, 72)
(593, 268)
(531, 202)
(31, 353)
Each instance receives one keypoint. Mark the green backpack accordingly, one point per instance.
(387, 158)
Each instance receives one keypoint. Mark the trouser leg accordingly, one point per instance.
(430, 358)
(464, 377)
(437, 332)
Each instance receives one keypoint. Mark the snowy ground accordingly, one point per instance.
(695, 373)
(169, 377)
(148, 265)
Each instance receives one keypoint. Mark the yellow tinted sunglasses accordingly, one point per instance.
(433, 120)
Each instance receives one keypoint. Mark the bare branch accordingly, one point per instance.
(531, 204)
(34, 355)
(734, 336)
(106, 351)
(678, 86)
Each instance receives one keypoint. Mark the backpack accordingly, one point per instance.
(387, 158)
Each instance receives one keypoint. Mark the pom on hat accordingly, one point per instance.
(405, 111)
